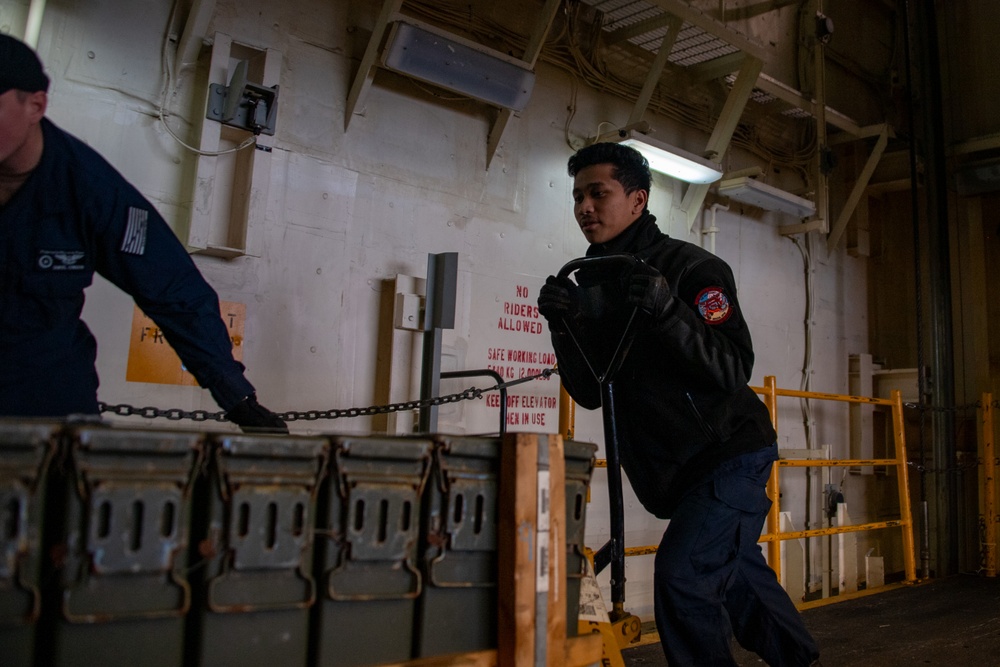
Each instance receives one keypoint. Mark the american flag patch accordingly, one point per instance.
(134, 240)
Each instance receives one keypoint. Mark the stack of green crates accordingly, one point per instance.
(174, 549)
(458, 608)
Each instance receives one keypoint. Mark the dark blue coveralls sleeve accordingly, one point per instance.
(76, 215)
(139, 253)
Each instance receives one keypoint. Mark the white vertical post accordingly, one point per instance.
(848, 553)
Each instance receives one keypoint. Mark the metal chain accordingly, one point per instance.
(175, 414)
(954, 408)
(149, 412)
(956, 469)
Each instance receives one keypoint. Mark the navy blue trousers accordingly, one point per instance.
(711, 580)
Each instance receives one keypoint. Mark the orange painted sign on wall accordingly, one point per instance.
(151, 359)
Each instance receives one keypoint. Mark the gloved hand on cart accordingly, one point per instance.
(649, 292)
(557, 302)
(252, 417)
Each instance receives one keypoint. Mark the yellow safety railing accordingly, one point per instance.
(773, 535)
(989, 461)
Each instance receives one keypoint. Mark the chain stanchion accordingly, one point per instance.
(175, 414)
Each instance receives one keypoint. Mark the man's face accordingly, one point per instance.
(20, 133)
(601, 207)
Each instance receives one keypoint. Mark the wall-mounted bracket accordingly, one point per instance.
(227, 215)
(860, 186)
(408, 312)
(243, 104)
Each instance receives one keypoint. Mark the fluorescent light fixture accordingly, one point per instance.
(767, 197)
(673, 161)
(448, 61)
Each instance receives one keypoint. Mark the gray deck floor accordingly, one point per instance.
(953, 621)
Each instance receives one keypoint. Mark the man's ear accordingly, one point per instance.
(639, 200)
(38, 103)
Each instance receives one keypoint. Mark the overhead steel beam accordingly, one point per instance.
(497, 129)
(797, 99)
(985, 143)
(814, 225)
(545, 18)
(865, 132)
(737, 100)
(193, 35)
(656, 70)
(725, 126)
(531, 54)
(366, 71)
(716, 68)
(858, 191)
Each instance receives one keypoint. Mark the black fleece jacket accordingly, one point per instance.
(682, 404)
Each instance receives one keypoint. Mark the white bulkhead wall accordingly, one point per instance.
(347, 212)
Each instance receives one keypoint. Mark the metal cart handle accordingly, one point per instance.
(613, 552)
(628, 335)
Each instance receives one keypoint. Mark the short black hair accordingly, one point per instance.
(630, 167)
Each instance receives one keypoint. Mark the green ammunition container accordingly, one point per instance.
(121, 577)
(579, 460)
(458, 608)
(25, 452)
(367, 570)
(252, 602)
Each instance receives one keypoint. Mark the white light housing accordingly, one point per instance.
(451, 62)
(767, 197)
(673, 161)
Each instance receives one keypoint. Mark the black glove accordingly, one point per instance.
(252, 417)
(556, 301)
(649, 292)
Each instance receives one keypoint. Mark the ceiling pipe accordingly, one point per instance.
(713, 228)
(33, 26)
(943, 496)
(920, 449)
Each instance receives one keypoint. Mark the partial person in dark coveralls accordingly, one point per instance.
(64, 214)
(697, 443)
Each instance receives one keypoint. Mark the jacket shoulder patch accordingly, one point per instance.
(713, 305)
